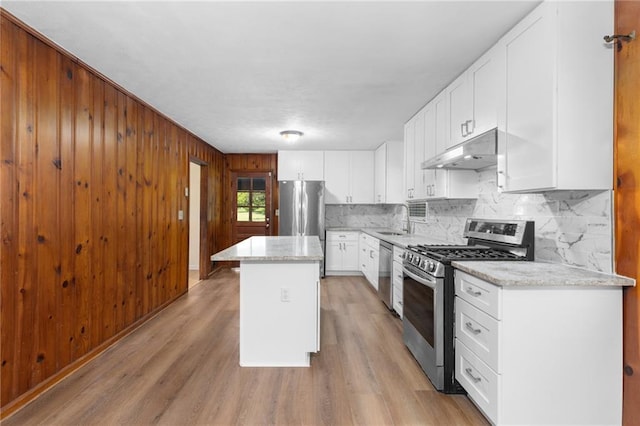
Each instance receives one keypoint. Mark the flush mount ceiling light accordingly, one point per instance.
(291, 135)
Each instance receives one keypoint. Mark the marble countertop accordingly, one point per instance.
(397, 240)
(273, 249)
(531, 274)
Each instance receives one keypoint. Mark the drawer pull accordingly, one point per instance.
(469, 325)
(473, 292)
(474, 378)
(399, 276)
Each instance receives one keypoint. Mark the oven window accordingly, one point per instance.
(418, 308)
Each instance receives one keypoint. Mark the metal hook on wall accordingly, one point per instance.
(629, 37)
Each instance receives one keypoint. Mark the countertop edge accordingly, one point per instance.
(589, 279)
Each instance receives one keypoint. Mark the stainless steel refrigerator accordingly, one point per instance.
(301, 209)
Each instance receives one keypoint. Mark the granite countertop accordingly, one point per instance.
(532, 274)
(273, 249)
(402, 240)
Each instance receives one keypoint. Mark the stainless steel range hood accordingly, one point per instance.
(474, 154)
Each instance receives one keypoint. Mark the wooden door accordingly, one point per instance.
(627, 195)
(251, 215)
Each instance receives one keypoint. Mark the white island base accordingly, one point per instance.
(279, 313)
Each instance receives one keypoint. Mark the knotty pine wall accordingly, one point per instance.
(91, 183)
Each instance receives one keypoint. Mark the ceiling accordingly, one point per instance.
(346, 73)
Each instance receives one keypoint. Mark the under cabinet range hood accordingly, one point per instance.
(474, 154)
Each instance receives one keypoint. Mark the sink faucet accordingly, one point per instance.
(407, 226)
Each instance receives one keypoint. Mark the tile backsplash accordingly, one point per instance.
(572, 227)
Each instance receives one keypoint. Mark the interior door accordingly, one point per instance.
(251, 215)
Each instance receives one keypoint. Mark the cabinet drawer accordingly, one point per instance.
(335, 236)
(481, 294)
(397, 254)
(480, 381)
(479, 332)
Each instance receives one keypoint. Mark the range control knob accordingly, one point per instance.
(432, 266)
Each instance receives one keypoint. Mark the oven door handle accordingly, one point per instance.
(421, 280)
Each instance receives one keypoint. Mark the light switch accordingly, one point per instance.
(180, 215)
(284, 295)
(186, 192)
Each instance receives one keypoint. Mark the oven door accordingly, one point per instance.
(423, 321)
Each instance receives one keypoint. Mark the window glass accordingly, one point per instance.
(251, 199)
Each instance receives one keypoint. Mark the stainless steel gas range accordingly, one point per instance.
(428, 290)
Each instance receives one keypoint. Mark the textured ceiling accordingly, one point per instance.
(347, 74)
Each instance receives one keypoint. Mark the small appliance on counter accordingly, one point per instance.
(428, 290)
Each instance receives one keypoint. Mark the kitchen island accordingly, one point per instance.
(279, 299)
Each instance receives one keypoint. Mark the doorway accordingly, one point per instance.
(195, 177)
(252, 201)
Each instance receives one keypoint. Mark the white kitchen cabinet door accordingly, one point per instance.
(559, 100)
(409, 164)
(380, 174)
(486, 78)
(420, 188)
(336, 177)
(393, 177)
(342, 257)
(361, 177)
(530, 105)
(460, 109)
(300, 165)
(349, 177)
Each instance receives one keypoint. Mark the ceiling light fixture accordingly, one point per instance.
(291, 135)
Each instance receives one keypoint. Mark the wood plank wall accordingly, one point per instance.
(91, 183)
(245, 163)
(627, 196)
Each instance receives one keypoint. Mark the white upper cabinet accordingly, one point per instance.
(409, 163)
(444, 183)
(300, 165)
(388, 173)
(558, 121)
(348, 177)
(420, 186)
(473, 97)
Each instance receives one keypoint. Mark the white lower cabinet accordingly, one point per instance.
(342, 253)
(540, 355)
(369, 258)
(397, 279)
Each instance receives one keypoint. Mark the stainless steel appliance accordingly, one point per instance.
(385, 288)
(428, 290)
(301, 209)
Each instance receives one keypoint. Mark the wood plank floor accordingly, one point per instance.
(181, 368)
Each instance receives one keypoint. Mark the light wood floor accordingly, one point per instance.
(181, 368)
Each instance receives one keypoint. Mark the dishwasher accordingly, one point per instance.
(385, 286)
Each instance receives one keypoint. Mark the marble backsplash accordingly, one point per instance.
(572, 227)
(364, 215)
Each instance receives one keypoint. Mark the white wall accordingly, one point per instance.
(194, 216)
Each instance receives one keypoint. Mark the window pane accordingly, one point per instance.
(242, 198)
(244, 184)
(243, 214)
(258, 199)
(258, 214)
(259, 184)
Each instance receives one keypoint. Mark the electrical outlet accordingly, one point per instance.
(180, 215)
(284, 295)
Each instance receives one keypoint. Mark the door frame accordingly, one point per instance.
(269, 201)
(203, 256)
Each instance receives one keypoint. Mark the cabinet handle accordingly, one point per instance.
(473, 126)
(399, 276)
(462, 132)
(371, 254)
(474, 378)
(472, 292)
(469, 325)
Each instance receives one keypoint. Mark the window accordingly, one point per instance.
(251, 199)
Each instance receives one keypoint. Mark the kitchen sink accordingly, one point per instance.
(390, 233)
